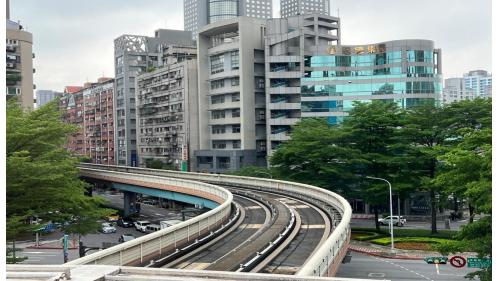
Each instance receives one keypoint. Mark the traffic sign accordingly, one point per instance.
(478, 263)
(436, 260)
(458, 261)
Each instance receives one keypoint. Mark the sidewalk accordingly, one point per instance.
(385, 252)
(54, 244)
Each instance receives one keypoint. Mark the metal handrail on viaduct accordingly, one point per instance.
(323, 262)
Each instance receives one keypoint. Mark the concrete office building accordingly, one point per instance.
(198, 13)
(91, 108)
(480, 82)
(19, 66)
(167, 110)
(45, 96)
(231, 95)
(290, 43)
(134, 55)
(455, 90)
(290, 8)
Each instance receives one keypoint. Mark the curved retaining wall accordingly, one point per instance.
(143, 249)
(326, 259)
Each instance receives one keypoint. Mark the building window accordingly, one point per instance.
(217, 84)
(260, 83)
(236, 112)
(236, 128)
(218, 129)
(235, 81)
(218, 114)
(235, 97)
(218, 144)
(216, 64)
(217, 99)
(236, 144)
(235, 60)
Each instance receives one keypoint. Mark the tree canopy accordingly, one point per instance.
(42, 179)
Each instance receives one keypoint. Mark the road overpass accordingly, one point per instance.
(257, 225)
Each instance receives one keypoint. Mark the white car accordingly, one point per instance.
(399, 221)
(107, 228)
(141, 225)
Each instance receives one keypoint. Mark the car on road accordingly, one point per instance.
(396, 220)
(126, 237)
(125, 222)
(113, 218)
(141, 225)
(150, 228)
(108, 228)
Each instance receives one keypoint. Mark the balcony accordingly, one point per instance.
(223, 121)
(10, 48)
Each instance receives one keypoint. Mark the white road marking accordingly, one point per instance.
(312, 226)
(252, 207)
(425, 277)
(256, 225)
(300, 206)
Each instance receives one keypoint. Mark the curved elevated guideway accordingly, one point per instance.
(266, 226)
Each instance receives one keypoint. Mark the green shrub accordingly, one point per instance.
(401, 232)
(387, 240)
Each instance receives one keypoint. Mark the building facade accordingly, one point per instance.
(19, 66)
(308, 74)
(290, 8)
(167, 110)
(198, 13)
(45, 96)
(231, 96)
(91, 108)
(480, 82)
(454, 90)
(135, 55)
(290, 43)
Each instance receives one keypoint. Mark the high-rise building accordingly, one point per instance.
(455, 90)
(135, 55)
(290, 8)
(198, 13)
(480, 82)
(91, 108)
(308, 74)
(45, 96)
(19, 76)
(231, 95)
(167, 110)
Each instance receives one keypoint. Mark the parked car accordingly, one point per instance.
(150, 228)
(126, 237)
(107, 228)
(141, 225)
(399, 221)
(125, 222)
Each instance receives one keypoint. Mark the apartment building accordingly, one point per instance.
(479, 81)
(231, 97)
(455, 90)
(167, 110)
(91, 108)
(19, 65)
(134, 55)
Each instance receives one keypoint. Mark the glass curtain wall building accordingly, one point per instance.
(407, 72)
(290, 8)
(198, 13)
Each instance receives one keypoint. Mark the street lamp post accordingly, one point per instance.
(390, 206)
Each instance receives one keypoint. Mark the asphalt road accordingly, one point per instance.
(455, 225)
(369, 267)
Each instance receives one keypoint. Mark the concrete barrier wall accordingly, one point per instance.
(325, 260)
(141, 250)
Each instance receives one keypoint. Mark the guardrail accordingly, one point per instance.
(325, 260)
(143, 249)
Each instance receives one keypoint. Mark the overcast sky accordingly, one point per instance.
(73, 40)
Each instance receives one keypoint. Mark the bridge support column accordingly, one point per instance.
(129, 203)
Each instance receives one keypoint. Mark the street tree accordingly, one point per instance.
(468, 171)
(42, 179)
